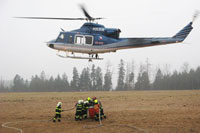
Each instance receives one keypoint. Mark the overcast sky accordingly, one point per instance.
(22, 42)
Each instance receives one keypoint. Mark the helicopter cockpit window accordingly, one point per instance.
(88, 39)
(61, 38)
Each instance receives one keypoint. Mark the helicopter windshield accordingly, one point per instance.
(61, 37)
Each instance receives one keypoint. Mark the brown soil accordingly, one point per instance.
(132, 111)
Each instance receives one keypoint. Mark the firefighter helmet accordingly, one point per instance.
(94, 98)
(80, 101)
(88, 98)
(95, 101)
(85, 102)
(59, 104)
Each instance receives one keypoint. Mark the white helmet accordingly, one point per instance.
(59, 104)
(85, 102)
(79, 101)
(82, 101)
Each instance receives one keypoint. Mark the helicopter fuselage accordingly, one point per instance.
(94, 38)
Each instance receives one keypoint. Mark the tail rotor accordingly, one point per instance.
(196, 14)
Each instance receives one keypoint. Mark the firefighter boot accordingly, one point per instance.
(76, 118)
(96, 117)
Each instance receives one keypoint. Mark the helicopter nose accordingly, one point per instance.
(50, 45)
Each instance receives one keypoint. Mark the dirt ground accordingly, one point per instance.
(131, 111)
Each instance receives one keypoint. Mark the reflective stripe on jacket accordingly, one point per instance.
(79, 107)
(58, 110)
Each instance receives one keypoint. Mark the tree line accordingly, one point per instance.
(93, 79)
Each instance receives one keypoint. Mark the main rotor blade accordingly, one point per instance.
(88, 17)
(86, 13)
(52, 18)
(98, 18)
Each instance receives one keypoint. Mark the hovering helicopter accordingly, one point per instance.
(94, 39)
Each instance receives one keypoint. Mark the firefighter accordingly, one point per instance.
(90, 102)
(101, 110)
(79, 107)
(85, 109)
(58, 112)
(97, 111)
(94, 98)
(101, 107)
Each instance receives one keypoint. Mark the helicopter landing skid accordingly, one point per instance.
(80, 57)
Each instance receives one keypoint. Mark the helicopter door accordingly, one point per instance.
(84, 40)
(79, 39)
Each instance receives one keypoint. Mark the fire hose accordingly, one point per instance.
(119, 125)
(5, 125)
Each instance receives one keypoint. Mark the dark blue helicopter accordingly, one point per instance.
(93, 38)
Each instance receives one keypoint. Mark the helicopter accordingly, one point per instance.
(94, 39)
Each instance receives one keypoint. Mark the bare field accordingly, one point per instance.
(145, 111)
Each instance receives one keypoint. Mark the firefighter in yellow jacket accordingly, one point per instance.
(58, 112)
(100, 106)
(79, 108)
(85, 109)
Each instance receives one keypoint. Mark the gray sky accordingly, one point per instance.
(23, 51)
